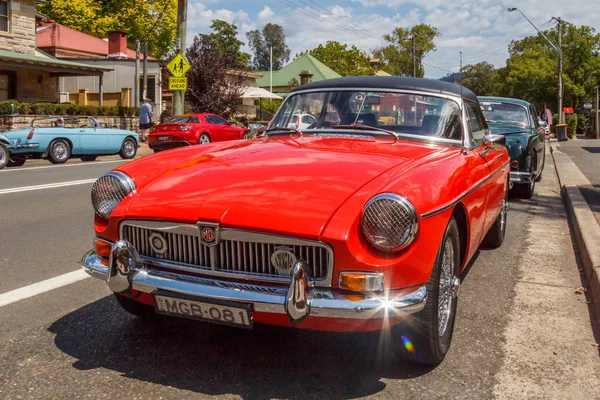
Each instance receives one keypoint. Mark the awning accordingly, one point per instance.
(55, 66)
(258, 93)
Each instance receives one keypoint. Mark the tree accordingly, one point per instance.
(153, 21)
(225, 38)
(343, 60)
(271, 36)
(482, 78)
(212, 86)
(397, 56)
(532, 67)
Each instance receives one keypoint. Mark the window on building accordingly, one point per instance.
(4, 15)
(151, 92)
(6, 86)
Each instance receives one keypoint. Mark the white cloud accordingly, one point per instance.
(266, 13)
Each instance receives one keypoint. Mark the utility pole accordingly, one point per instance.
(561, 115)
(145, 68)
(136, 84)
(271, 69)
(597, 113)
(414, 54)
(178, 96)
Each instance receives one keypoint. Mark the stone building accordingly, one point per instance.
(26, 73)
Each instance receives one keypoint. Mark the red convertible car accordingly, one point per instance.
(345, 225)
(186, 130)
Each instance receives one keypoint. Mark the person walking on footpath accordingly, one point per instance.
(145, 119)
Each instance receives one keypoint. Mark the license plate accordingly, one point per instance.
(164, 137)
(217, 311)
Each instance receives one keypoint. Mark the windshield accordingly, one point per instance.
(182, 120)
(402, 113)
(505, 113)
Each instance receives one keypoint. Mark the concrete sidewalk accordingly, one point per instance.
(578, 167)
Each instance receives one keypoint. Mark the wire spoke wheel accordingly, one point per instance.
(129, 148)
(446, 287)
(60, 151)
(3, 156)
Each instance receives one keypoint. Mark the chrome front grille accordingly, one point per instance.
(237, 253)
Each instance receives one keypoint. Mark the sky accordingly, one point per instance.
(480, 29)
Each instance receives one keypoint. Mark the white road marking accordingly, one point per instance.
(46, 186)
(5, 170)
(41, 287)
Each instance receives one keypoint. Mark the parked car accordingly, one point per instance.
(4, 151)
(254, 129)
(58, 138)
(187, 130)
(301, 121)
(517, 121)
(544, 125)
(342, 227)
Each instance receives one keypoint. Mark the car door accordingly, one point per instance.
(217, 128)
(229, 132)
(92, 138)
(539, 139)
(495, 157)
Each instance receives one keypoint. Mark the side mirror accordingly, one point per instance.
(229, 123)
(494, 140)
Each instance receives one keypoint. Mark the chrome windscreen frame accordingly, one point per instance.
(228, 234)
(466, 141)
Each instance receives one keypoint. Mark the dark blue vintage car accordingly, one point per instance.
(525, 140)
(58, 138)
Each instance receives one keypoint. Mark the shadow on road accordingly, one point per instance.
(267, 362)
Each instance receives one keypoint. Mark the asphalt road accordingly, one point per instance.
(522, 329)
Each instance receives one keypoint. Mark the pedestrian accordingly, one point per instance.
(145, 119)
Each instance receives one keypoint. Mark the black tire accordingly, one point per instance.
(89, 158)
(135, 308)
(128, 149)
(495, 236)
(422, 330)
(16, 161)
(156, 151)
(525, 190)
(59, 152)
(204, 139)
(539, 177)
(4, 155)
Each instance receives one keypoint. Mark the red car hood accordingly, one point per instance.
(291, 186)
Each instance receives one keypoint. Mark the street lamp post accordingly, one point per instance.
(561, 116)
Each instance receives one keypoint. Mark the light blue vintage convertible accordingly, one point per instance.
(59, 138)
(4, 152)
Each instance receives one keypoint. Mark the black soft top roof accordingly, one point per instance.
(392, 82)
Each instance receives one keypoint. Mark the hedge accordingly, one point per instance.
(65, 109)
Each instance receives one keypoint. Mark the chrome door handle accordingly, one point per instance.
(499, 155)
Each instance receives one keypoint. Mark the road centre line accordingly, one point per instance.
(41, 287)
(62, 166)
(47, 186)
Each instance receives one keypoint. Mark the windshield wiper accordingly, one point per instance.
(286, 129)
(366, 128)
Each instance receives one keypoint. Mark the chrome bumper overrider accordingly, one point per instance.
(126, 271)
(521, 177)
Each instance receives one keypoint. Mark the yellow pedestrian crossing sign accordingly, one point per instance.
(178, 66)
(177, 83)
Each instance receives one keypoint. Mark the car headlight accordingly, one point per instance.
(109, 190)
(389, 222)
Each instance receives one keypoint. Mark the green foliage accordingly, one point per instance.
(271, 36)
(225, 39)
(342, 59)
(269, 105)
(532, 68)
(397, 57)
(571, 120)
(483, 79)
(153, 21)
(293, 83)
(66, 109)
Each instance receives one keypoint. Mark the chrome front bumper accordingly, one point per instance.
(126, 271)
(24, 146)
(521, 177)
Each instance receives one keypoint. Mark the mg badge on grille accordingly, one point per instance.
(158, 244)
(283, 260)
(209, 234)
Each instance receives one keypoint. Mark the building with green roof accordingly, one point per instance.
(304, 69)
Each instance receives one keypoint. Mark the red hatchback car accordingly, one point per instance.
(187, 130)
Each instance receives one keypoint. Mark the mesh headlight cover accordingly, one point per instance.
(389, 222)
(109, 190)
